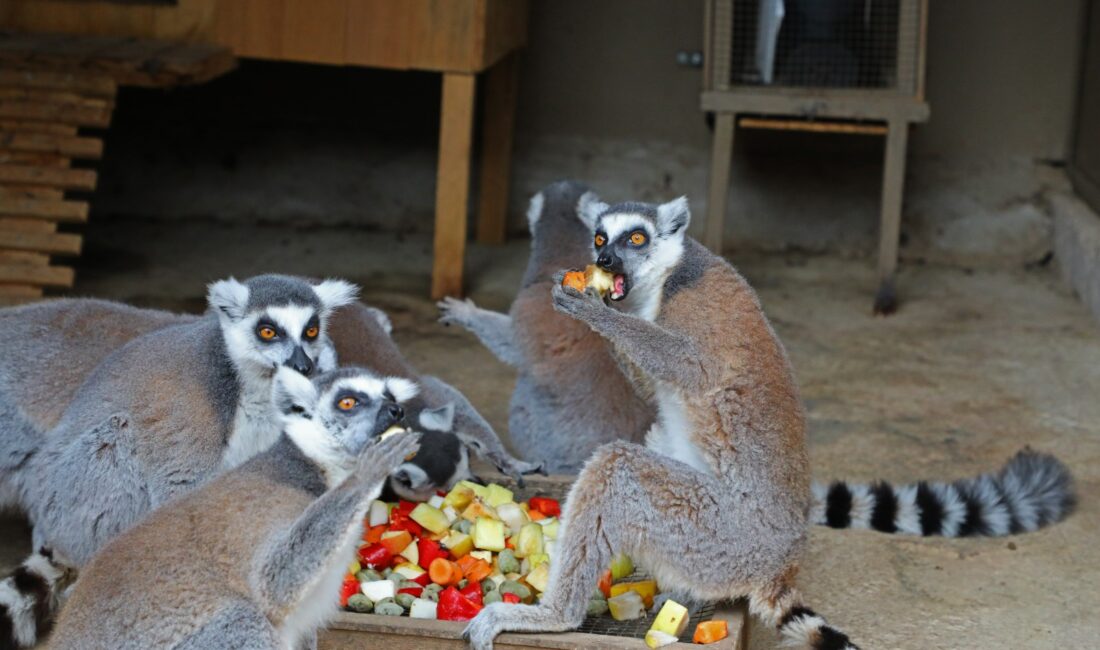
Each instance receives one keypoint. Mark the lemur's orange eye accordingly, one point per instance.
(267, 332)
(312, 331)
(637, 238)
(600, 240)
(347, 403)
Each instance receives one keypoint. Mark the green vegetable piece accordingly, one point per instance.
(507, 562)
(488, 585)
(433, 588)
(430, 595)
(360, 603)
(462, 526)
(462, 584)
(408, 584)
(387, 572)
(492, 597)
(597, 607)
(513, 587)
(368, 575)
(390, 608)
(405, 600)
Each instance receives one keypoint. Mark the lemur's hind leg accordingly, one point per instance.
(493, 329)
(780, 605)
(628, 499)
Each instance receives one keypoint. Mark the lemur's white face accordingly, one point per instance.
(288, 331)
(333, 417)
(638, 244)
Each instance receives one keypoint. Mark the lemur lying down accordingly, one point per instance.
(717, 502)
(257, 555)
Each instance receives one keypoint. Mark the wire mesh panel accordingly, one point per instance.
(859, 44)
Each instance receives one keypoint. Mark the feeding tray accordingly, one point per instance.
(352, 630)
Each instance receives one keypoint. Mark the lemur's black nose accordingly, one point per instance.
(605, 261)
(300, 361)
(395, 411)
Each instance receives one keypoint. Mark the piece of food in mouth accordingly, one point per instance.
(592, 276)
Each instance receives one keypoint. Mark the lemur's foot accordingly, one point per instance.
(514, 467)
(455, 311)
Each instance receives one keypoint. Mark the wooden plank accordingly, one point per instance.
(376, 33)
(49, 96)
(453, 183)
(71, 179)
(193, 63)
(19, 291)
(61, 145)
(66, 211)
(66, 113)
(22, 224)
(57, 243)
(503, 30)
(497, 125)
(33, 158)
(814, 126)
(74, 51)
(315, 30)
(852, 105)
(718, 192)
(39, 276)
(23, 126)
(31, 192)
(893, 185)
(84, 83)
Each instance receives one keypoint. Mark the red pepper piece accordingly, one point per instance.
(453, 606)
(401, 521)
(429, 550)
(412, 591)
(511, 598)
(375, 556)
(473, 592)
(423, 579)
(405, 507)
(349, 588)
(545, 505)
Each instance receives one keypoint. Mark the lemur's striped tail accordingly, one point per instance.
(1031, 491)
(799, 625)
(28, 600)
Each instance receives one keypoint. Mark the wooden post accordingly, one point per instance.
(893, 184)
(497, 125)
(452, 189)
(721, 159)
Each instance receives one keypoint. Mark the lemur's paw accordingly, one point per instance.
(485, 627)
(680, 597)
(568, 300)
(458, 312)
(386, 455)
(514, 467)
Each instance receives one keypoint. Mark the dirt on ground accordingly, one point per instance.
(974, 366)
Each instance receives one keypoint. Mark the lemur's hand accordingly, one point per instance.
(579, 305)
(511, 466)
(458, 312)
(384, 456)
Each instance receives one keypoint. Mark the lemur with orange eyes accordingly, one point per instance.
(717, 502)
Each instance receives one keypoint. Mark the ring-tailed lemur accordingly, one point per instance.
(168, 410)
(53, 347)
(563, 365)
(258, 553)
(716, 504)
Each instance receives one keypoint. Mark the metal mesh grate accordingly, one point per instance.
(825, 43)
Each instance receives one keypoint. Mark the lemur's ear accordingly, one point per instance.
(534, 211)
(673, 217)
(589, 208)
(336, 293)
(438, 419)
(382, 318)
(228, 297)
(292, 393)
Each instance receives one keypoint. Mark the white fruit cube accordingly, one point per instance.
(488, 534)
(658, 639)
(423, 608)
(379, 513)
(436, 502)
(378, 589)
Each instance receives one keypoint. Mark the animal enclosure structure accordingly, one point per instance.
(827, 66)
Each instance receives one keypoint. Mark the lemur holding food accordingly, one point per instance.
(717, 502)
(258, 553)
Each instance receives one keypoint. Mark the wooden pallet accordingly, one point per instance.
(51, 87)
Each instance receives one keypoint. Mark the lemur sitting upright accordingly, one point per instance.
(716, 504)
(561, 362)
(257, 554)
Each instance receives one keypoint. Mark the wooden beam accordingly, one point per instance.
(56, 243)
(85, 83)
(840, 104)
(61, 145)
(78, 114)
(50, 128)
(452, 190)
(497, 126)
(71, 179)
(814, 126)
(37, 275)
(68, 211)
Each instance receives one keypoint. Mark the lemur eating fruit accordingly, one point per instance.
(717, 503)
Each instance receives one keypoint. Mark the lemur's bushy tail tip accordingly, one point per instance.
(28, 600)
(1032, 490)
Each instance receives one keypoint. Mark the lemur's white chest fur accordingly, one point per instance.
(670, 435)
(255, 425)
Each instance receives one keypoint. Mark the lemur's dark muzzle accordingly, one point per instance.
(609, 261)
(300, 361)
(389, 414)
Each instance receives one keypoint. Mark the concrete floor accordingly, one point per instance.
(973, 367)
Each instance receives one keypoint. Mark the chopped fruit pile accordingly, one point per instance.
(449, 557)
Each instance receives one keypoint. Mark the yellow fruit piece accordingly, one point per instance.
(621, 566)
(529, 541)
(488, 534)
(458, 544)
(626, 606)
(658, 639)
(538, 559)
(459, 497)
(647, 589)
(354, 567)
(498, 495)
(599, 279)
(431, 518)
(539, 577)
(480, 491)
(483, 555)
(550, 528)
(478, 509)
(672, 619)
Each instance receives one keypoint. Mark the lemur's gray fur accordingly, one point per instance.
(717, 502)
(570, 395)
(51, 347)
(165, 412)
(257, 555)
